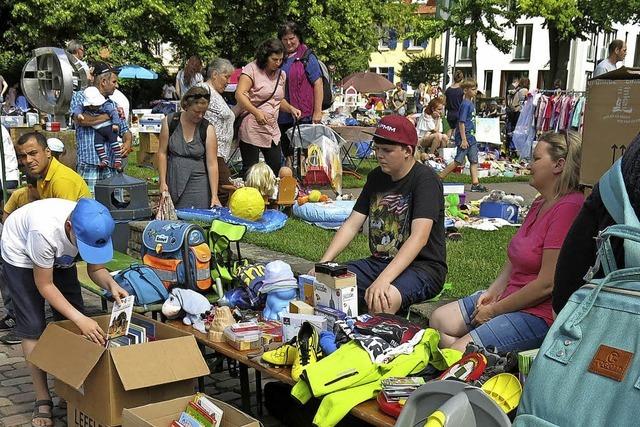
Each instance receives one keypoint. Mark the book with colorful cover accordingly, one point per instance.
(138, 331)
(198, 413)
(187, 420)
(120, 318)
(211, 408)
(148, 325)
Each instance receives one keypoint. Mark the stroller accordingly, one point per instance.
(325, 149)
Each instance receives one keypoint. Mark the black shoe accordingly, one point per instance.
(10, 339)
(7, 322)
(478, 188)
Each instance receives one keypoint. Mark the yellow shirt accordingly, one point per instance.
(18, 199)
(62, 182)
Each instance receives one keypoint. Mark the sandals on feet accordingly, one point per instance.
(38, 414)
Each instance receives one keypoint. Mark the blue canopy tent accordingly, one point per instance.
(132, 71)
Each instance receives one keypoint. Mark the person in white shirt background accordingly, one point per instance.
(429, 126)
(617, 53)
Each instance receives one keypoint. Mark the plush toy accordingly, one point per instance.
(261, 177)
(451, 202)
(247, 203)
(193, 305)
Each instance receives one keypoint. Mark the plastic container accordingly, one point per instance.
(502, 210)
(243, 340)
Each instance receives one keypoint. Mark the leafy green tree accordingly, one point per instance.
(567, 20)
(421, 69)
(489, 18)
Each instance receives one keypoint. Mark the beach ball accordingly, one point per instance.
(247, 203)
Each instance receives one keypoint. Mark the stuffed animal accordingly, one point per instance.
(451, 202)
(191, 303)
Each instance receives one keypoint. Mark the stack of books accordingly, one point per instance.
(200, 412)
(396, 389)
(125, 330)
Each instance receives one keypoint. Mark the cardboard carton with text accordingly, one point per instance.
(611, 121)
(99, 382)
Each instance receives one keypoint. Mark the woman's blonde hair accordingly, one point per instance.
(569, 148)
(195, 95)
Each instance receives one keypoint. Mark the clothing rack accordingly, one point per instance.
(554, 91)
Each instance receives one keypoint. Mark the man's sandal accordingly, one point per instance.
(38, 414)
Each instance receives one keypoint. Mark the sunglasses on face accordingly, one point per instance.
(199, 96)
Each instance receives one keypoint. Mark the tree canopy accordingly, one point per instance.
(421, 69)
(341, 32)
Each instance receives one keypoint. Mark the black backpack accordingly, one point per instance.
(327, 83)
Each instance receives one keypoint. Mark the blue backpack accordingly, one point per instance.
(143, 282)
(587, 371)
(178, 253)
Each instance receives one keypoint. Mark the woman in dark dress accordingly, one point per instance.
(188, 156)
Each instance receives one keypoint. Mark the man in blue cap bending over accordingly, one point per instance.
(40, 241)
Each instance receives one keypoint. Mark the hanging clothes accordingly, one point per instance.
(525, 131)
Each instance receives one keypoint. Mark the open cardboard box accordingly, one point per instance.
(161, 414)
(99, 382)
(611, 121)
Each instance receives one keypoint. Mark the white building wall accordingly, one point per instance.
(504, 66)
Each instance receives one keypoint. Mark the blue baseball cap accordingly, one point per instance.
(93, 226)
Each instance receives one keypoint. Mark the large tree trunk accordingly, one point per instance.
(473, 45)
(559, 50)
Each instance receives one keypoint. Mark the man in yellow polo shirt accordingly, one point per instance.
(54, 178)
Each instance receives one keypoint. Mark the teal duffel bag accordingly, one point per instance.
(587, 372)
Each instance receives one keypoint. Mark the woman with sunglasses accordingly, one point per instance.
(260, 93)
(515, 313)
(188, 154)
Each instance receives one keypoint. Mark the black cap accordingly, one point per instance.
(101, 68)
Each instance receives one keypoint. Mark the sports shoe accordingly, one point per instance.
(7, 322)
(281, 356)
(308, 346)
(10, 339)
(478, 188)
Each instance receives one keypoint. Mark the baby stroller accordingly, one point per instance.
(323, 160)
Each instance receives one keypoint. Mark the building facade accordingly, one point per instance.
(529, 56)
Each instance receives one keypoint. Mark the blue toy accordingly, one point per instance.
(278, 303)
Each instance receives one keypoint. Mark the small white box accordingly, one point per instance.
(345, 299)
(291, 323)
(453, 188)
(12, 121)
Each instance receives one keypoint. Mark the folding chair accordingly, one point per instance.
(221, 235)
(235, 162)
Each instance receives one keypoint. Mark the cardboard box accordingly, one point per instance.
(611, 121)
(345, 299)
(161, 414)
(300, 307)
(346, 280)
(147, 159)
(292, 322)
(452, 188)
(12, 121)
(100, 382)
(305, 288)
(332, 315)
(151, 123)
(149, 142)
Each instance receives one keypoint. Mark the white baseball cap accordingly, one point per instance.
(55, 144)
(93, 97)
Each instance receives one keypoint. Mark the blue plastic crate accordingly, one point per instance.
(502, 210)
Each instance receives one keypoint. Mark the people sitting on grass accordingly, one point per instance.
(467, 146)
(404, 203)
(514, 313)
(579, 249)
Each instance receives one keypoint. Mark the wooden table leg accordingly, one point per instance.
(245, 390)
(259, 391)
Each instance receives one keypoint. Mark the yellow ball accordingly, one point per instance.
(314, 196)
(247, 203)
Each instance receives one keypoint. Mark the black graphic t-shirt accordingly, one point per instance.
(392, 206)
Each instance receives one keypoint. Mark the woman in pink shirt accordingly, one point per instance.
(515, 312)
(260, 93)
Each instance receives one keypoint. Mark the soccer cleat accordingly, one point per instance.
(308, 348)
(281, 356)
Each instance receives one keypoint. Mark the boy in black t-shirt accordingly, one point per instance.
(404, 202)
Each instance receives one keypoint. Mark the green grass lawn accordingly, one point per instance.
(474, 262)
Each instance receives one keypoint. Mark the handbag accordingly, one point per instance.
(166, 209)
(143, 282)
(238, 121)
(587, 371)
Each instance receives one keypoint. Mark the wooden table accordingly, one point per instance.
(367, 411)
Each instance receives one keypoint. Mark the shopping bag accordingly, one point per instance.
(166, 210)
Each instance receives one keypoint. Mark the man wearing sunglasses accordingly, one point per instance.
(88, 162)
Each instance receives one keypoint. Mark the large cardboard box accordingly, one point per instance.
(149, 142)
(161, 414)
(100, 382)
(611, 121)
